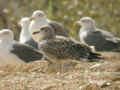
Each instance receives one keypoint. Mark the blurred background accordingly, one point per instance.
(105, 12)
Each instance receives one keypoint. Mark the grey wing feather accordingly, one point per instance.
(32, 43)
(94, 36)
(101, 41)
(107, 35)
(26, 53)
(99, 36)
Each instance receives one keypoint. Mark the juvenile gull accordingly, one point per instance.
(59, 48)
(12, 52)
(102, 40)
(25, 36)
(39, 18)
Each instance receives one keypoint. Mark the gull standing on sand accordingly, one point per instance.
(25, 36)
(39, 18)
(12, 52)
(60, 48)
(101, 39)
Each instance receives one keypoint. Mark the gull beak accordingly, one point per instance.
(31, 19)
(19, 25)
(36, 35)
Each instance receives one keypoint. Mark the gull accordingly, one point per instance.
(39, 18)
(25, 36)
(60, 48)
(102, 40)
(13, 52)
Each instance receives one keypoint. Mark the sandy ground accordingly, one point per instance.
(102, 75)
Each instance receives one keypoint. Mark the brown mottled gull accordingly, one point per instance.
(59, 48)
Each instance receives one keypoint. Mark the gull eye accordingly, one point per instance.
(42, 29)
(40, 15)
(46, 30)
(83, 21)
(35, 32)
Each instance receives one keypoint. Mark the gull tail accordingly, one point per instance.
(95, 57)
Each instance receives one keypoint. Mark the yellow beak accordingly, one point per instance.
(19, 25)
(31, 19)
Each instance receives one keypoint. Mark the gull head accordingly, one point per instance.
(38, 14)
(6, 34)
(87, 22)
(24, 22)
(45, 32)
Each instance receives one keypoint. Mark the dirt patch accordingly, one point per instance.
(102, 75)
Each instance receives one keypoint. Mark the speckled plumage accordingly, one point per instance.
(58, 48)
(66, 49)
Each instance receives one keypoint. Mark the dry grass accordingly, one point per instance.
(103, 75)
